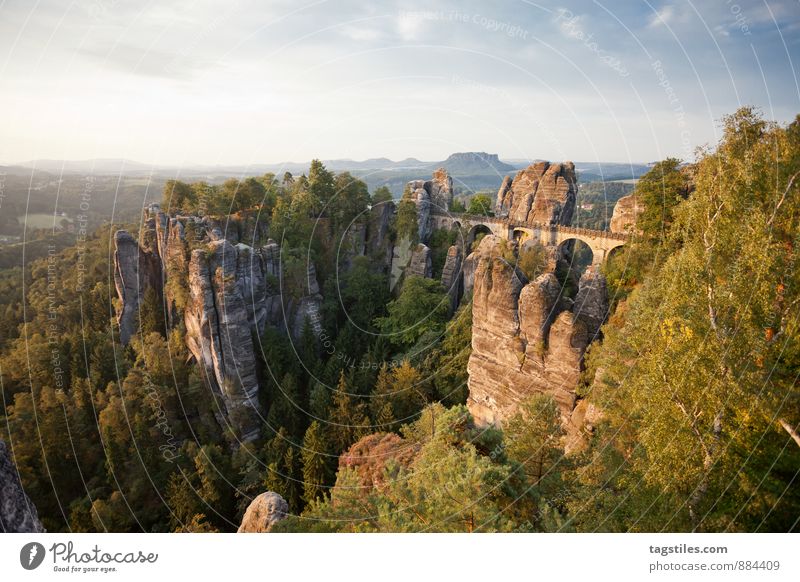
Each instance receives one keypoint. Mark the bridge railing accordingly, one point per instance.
(588, 232)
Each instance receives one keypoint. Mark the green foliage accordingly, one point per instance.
(660, 191)
(457, 206)
(595, 203)
(316, 463)
(381, 196)
(481, 204)
(406, 225)
(421, 307)
(719, 307)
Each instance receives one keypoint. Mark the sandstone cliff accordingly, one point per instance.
(17, 512)
(225, 291)
(431, 196)
(542, 192)
(526, 337)
(452, 276)
(626, 212)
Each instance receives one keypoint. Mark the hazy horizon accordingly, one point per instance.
(184, 84)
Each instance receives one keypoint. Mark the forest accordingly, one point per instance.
(695, 374)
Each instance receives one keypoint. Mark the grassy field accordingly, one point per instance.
(41, 220)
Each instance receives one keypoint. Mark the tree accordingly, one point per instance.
(480, 204)
(532, 437)
(696, 383)
(178, 196)
(382, 195)
(659, 191)
(421, 307)
(316, 470)
(406, 222)
(321, 186)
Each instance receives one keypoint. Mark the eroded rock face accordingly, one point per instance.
(525, 338)
(379, 245)
(452, 278)
(17, 512)
(591, 302)
(219, 334)
(420, 264)
(542, 192)
(626, 212)
(263, 512)
(225, 291)
(135, 271)
(431, 196)
(440, 187)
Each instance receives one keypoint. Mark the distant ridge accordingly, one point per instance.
(470, 163)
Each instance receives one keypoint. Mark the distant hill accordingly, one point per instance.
(471, 171)
(475, 163)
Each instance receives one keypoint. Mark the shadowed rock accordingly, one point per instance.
(17, 512)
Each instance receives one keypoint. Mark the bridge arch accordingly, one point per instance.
(477, 231)
(578, 253)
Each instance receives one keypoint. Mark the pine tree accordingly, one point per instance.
(316, 464)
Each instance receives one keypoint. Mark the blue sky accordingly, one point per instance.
(183, 82)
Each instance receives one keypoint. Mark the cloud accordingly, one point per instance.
(662, 17)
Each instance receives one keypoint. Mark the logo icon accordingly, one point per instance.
(31, 555)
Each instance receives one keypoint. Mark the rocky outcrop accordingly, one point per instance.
(440, 187)
(379, 244)
(452, 279)
(135, 271)
(525, 338)
(263, 512)
(422, 198)
(17, 512)
(420, 264)
(307, 307)
(591, 302)
(626, 213)
(219, 333)
(225, 291)
(430, 196)
(542, 192)
(488, 246)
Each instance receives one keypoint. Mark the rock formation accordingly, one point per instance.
(431, 196)
(420, 264)
(542, 192)
(223, 277)
(626, 212)
(17, 512)
(525, 337)
(263, 512)
(452, 279)
(135, 271)
(219, 331)
(591, 302)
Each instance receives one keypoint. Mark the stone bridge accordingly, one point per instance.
(601, 242)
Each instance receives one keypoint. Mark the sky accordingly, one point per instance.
(240, 82)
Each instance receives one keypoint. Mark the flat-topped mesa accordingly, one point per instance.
(543, 193)
(526, 337)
